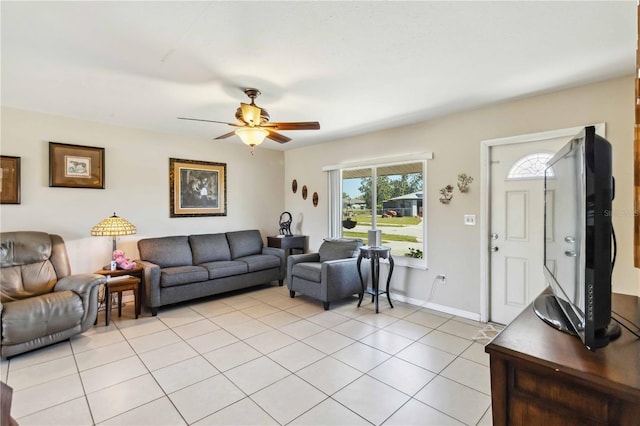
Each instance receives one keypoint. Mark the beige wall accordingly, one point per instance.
(259, 187)
(453, 248)
(137, 185)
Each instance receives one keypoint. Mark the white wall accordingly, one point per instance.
(137, 185)
(453, 248)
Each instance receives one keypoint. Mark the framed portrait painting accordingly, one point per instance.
(76, 166)
(9, 180)
(197, 188)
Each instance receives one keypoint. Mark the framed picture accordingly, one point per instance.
(9, 180)
(197, 188)
(76, 166)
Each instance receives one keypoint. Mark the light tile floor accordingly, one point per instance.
(259, 357)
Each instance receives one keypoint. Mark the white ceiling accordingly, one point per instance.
(355, 67)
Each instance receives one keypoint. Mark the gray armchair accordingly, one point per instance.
(328, 275)
(40, 301)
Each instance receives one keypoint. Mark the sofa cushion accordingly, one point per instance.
(179, 275)
(244, 243)
(339, 249)
(28, 319)
(209, 248)
(166, 252)
(225, 268)
(310, 271)
(259, 262)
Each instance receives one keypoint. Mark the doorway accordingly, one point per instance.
(512, 224)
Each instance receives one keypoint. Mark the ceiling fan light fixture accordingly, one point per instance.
(252, 136)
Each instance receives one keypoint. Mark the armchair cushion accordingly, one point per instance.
(311, 271)
(339, 249)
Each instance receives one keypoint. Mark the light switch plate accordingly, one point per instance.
(470, 219)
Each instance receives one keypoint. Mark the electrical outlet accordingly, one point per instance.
(442, 278)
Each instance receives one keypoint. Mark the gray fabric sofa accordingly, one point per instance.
(185, 267)
(328, 275)
(41, 302)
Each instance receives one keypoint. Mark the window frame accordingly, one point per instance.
(336, 191)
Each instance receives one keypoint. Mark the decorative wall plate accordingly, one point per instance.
(304, 192)
(315, 199)
(294, 186)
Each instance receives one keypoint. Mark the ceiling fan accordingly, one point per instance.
(253, 123)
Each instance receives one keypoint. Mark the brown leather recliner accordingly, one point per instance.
(41, 302)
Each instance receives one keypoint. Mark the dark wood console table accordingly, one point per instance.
(293, 242)
(541, 376)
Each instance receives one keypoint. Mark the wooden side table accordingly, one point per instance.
(137, 275)
(293, 242)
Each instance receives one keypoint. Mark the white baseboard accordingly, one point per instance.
(436, 307)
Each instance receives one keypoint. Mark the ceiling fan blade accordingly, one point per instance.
(302, 125)
(250, 114)
(274, 136)
(226, 135)
(210, 121)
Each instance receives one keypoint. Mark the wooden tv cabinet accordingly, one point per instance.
(541, 376)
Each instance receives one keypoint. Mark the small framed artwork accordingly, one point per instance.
(9, 180)
(197, 188)
(76, 166)
(304, 192)
(315, 199)
(294, 186)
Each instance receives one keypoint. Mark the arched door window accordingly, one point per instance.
(530, 166)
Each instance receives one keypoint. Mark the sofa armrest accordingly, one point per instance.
(151, 283)
(299, 258)
(86, 286)
(343, 271)
(281, 255)
(80, 283)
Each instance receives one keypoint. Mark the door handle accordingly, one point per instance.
(494, 249)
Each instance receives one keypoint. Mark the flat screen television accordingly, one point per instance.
(578, 191)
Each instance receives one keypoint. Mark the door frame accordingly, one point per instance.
(485, 199)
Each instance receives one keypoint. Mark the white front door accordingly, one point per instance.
(517, 225)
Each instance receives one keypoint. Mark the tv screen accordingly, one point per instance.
(578, 193)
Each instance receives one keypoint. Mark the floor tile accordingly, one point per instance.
(415, 413)
(270, 341)
(301, 329)
(296, 356)
(241, 301)
(469, 373)
(279, 319)
(355, 329)
(113, 373)
(476, 353)
(446, 342)
(487, 419)
(307, 309)
(230, 319)
(42, 373)
(361, 356)
(153, 341)
(328, 341)
(329, 413)
(211, 308)
(184, 373)
(177, 316)
(426, 357)
(204, 398)
(247, 329)
(245, 412)
(426, 319)
(460, 329)
(329, 375)
(402, 375)
(371, 399)
(96, 337)
(144, 325)
(211, 341)
(157, 412)
(117, 399)
(103, 355)
(71, 413)
(197, 328)
(257, 374)
(408, 329)
(377, 320)
(232, 355)
(260, 310)
(288, 398)
(45, 354)
(327, 319)
(36, 398)
(386, 341)
(438, 392)
(167, 355)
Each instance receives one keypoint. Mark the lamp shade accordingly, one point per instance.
(112, 227)
(252, 136)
